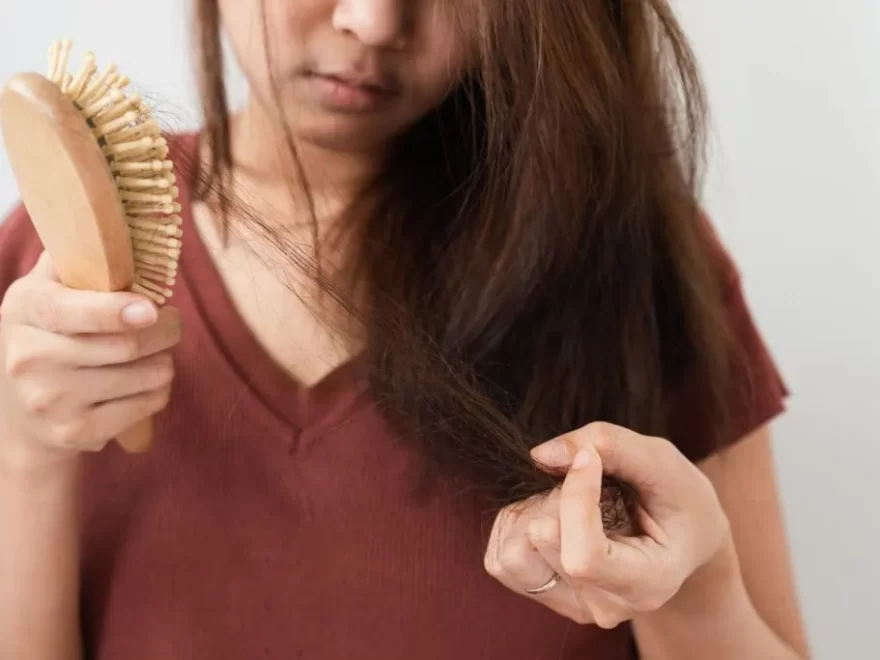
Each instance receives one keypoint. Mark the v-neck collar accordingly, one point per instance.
(295, 404)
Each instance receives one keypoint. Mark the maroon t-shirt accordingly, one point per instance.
(279, 522)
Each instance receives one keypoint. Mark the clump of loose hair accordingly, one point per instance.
(536, 258)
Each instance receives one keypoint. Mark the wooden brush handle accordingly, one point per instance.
(137, 439)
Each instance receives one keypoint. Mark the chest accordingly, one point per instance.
(329, 552)
(277, 521)
(288, 315)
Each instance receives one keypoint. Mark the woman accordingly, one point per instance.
(444, 271)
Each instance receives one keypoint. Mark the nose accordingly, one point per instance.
(377, 23)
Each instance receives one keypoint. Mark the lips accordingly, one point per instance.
(371, 83)
(349, 93)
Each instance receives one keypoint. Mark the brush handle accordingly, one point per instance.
(137, 439)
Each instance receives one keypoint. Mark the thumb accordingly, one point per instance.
(644, 462)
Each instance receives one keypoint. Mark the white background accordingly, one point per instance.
(795, 88)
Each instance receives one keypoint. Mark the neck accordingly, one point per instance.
(276, 213)
(270, 171)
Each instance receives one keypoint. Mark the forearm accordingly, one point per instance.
(711, 617)
(39, 562)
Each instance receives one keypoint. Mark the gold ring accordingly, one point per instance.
(547, 586)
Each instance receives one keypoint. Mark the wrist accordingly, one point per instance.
(28, 464)
(714, 592)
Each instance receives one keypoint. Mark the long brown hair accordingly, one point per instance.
(537, 258)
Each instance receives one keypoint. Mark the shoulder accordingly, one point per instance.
(20, 246)
(754, 389)
(719, 255)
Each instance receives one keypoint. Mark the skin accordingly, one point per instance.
(710, 577)
(67, 356)
(414, 48)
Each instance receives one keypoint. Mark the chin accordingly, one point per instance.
(343, 133)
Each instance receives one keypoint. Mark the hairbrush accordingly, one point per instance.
(93, 172)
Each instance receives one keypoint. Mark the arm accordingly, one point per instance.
(743, 604)
(39, 572)
(56, 345)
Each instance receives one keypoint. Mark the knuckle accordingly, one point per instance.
(164, 368)
(129, 347)
(665, 449)
(515, 556)
(93, 445)
(491, 564)
(69, 435)
(159, 401)
(600, 430)
(544, 530)
(580, 566)
(582, 617)
(606, 620)
(165, 361)
(601, 435)
(18, 360)
(39, 399)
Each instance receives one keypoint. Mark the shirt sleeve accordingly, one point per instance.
(20, 247)
(755, 391)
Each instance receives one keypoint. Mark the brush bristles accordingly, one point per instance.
(137, 154)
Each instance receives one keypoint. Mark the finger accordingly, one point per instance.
(123, 348)
(575, 602)
(125, 380)
(31, 348)
(511, 557)
(543, 531)
(107, 420)
(582, 541)
(588, 603)
(55, 308)
(643, 462)
(545, 535)
(91, 430)
(60, 395)
(586, 553)
(517, 566)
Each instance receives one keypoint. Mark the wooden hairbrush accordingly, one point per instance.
(93, 173)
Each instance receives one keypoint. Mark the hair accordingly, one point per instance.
(537, 258)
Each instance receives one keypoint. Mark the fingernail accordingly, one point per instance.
(139, 313)
(582, 459)
(553, 453)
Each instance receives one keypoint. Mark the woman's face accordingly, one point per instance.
(349, 74)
